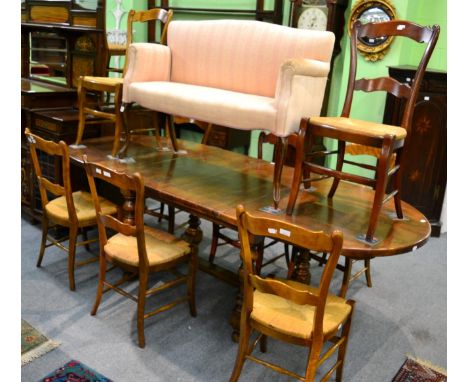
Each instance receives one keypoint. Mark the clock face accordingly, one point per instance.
(313, 19)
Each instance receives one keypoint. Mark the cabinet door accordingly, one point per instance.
(425, 162)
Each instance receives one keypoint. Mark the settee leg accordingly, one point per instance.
(280, 154)
(171, 132)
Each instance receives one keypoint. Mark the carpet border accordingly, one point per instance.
(39, 351)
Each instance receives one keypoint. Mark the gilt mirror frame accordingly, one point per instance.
(372, 11)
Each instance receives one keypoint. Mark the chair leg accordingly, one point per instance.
(339, 167)
(344, 345)
(81, 114)
(282, 146)
(346, 276)
(368, 272)
(298, 167)
(397, 186)
(143, 285)
(119, 123)
(71, 256)
(171, 213)
(259, 261)
(286, 254)
(382, 177)
(100, 287)
(45, 230)
(84, 235)
(171, 131)
(244, 336)
(214, 242)
(263, 343)
(312, 363)
(192, 281)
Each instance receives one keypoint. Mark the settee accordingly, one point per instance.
(242, 74)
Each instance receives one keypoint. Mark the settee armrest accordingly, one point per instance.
(299, 92)
(146, 62)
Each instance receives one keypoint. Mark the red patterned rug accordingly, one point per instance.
(414, 370)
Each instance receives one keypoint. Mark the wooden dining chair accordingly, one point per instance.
(386, 142)
(287, 310)
(114, 85)
(61, 206)
(138, 249)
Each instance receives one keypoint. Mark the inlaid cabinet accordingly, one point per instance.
(425, 158)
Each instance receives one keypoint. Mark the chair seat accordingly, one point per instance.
(297, 320)
(161, 247)
(58, 212)
(357, 126)
(112, 81)
(218, 106)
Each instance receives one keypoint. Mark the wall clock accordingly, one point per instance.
(324, 15)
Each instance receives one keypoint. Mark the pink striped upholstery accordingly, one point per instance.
(239, 55)
(236, 73)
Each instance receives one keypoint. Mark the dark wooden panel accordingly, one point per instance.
(425, 162)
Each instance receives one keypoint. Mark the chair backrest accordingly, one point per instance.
(415, 32)
(128, 184)
(64, 188)
(154, 14)
(319, 241)
(240, 55)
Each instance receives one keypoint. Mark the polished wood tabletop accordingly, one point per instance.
(209, 183)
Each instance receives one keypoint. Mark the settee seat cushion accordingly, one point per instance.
(218, 106)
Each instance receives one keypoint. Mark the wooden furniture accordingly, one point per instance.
(209, 183)
(108, 85)
(195, 77)
(73, 210)
(289, 311)
(138, 249)
(274, 15)
(36, 95)
(385, 141)
(60, 40)
(424, 171)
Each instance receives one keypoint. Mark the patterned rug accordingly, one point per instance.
(415, 370)
(33, 343)
(74, 371)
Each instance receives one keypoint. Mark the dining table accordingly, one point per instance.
(208, 183)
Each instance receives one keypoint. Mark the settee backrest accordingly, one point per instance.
(240, 55)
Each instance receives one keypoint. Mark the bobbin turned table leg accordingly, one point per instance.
(193, 234)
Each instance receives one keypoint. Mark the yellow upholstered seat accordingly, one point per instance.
(161, 247)
(58, 212)
(296, 320)
(357, 126)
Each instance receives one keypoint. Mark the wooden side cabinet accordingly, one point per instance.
(425, 159)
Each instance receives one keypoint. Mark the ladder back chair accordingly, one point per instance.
(138, 250)
(114, 85)
(73, 210)
(287, 310)
(385, 141)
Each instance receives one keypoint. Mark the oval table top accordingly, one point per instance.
(209, 182)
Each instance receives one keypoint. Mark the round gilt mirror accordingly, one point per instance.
(372, 11)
